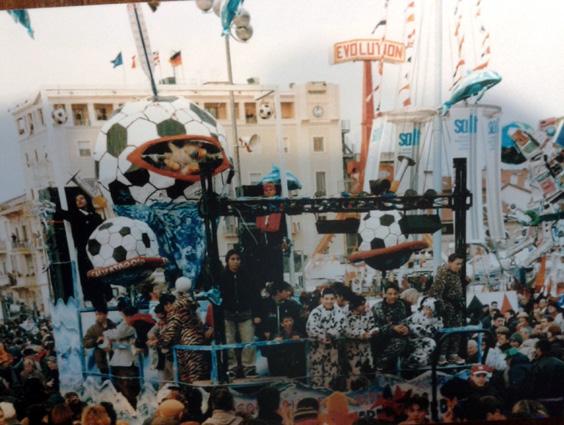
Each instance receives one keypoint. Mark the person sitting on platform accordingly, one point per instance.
(391, 342)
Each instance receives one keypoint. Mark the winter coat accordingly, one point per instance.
(90, 341)
(547, 378)
(273, 313)
(240, 294)
(388, 315)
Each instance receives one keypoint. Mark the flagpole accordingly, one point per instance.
(149, 64)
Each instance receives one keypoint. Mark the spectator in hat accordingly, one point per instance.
(515, 340)
(528, 345)
(522, 320)
(517, 376)
(94, 338)
(479, 382)
(307, 412)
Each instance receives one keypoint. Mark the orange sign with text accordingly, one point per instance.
(366, 49)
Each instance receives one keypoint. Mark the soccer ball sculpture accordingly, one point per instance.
(265, 111)
(154, 150)
(123, 250)
(380, 229)
(59, 116)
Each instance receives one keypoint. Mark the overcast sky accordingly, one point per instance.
(292, 43)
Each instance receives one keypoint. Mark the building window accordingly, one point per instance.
(251, 113)
(103, 111)
(36, 156)
(30, 123)
(318, 144)
(41, 118)
(21, 126)
(80, 114)
(287, 110)
(218, 110)
(320, 183)
(255, 178)
(84, 149)
(27, 160)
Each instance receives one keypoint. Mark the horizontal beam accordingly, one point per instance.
(263, 206)
(34, 4)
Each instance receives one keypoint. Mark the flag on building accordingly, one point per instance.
(156, 58)
(117, 61)
(176, 59)
(133, 64)
(22, 17)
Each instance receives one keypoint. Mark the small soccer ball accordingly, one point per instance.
(265, 111)
(119, 239)
(380, 229)
(59, 115)
(178, 131)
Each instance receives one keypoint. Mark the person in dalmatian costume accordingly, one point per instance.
(324, 326)
(359, 327)
(423, 325)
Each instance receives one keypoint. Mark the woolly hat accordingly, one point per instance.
(183, 285)
(516, 337)
(307, 408)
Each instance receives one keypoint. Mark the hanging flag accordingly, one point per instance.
(22, 17)
(176, 59)
(382, 22)
(156, 58)
(141, 37)
(411, 18)
(133, 63)
(117, 61)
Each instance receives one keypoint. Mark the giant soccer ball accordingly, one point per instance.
(119, 239)
(59, 116)
(265, 111)
(380, 229)
(162, 122)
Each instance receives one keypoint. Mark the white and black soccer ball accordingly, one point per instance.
(59, 115)
(119, 239)
(380, 229)
(132, 126)
(265, 110)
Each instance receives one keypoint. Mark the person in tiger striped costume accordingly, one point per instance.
(184, 327)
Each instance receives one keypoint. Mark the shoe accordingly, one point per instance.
(250, 371)
(456, 359)
(442, 360)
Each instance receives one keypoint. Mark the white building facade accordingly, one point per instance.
(311, 129)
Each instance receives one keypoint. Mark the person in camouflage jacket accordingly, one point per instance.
(391, 341)
(448, 289)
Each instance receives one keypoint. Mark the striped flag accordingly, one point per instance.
(176, 59)
(156, 58)
(133, 62)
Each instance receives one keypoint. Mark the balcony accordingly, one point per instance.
(22, 245)
(3, 246)
(4, 280)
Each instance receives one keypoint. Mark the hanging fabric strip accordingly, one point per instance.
(404, 91)
(379, 28)
(484, 59)
(459, 37)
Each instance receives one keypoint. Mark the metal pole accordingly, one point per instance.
(284, 183)
(232, 112)
(460, 207)
(437, 130)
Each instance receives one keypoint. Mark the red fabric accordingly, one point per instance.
(144, 317)
(273, 225)
(209, 316)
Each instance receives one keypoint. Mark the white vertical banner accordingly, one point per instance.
(372, 171)
(464, 142)
(493, 176)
